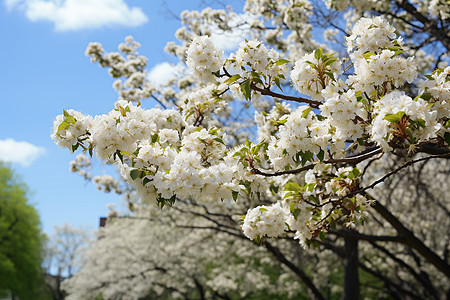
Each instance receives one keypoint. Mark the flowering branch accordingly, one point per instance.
(351, 159)
(268, 92)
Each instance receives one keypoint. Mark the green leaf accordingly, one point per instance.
(307, 156)
(318, 53)
(282, 62)
(420, 123)
(69, 118)
(367, 55)
(292, 207)
(330, 61)
(352, 174)
(274, 189)
(290, 194)
(146, 180)
(321, 155)
(397, 52)
(247, 144)
(447, 124)
(123, 112)
(219, 140)
(426, 96)
(134, 174)
(356, 172)
(394, 118)
(322, 235)
(331, 75)
(63, 125)
(246, 90)
(261, 209)
(292, 186)
(311, 186)
(154, 138)
(306, 112)
(75, 147)
(235, 195)
(237, 153)
(312, 65)
(277, 82)
(447, 137)
(313, 199)
(232, 79)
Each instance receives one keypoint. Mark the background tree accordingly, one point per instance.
(62, 256)
(304, 171)
(20, 240)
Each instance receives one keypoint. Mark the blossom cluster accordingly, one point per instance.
(399, 117)
(437, 85)
(204, 58)
(313, 209)
(129, 65)
(301, 133)
(314, 72)
(151, 150)
(185, 152)
(376, 56)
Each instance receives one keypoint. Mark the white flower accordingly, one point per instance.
(204, 58)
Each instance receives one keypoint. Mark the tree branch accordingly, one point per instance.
(351, 159)
(412, 241)
(300, 273)
(407, 164)
(365, 237)
(268, 92)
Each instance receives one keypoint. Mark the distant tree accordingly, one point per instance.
(20, 239)
(62, 256)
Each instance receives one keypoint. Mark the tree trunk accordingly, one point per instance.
(351, 276)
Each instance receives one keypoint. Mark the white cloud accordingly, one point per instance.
(23, 153)
(163, 72)
(80, 14)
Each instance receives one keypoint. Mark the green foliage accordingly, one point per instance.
(20, 239)
(394, 118)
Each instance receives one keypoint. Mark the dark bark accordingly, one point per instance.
(412, 241)
(351, 275)
(299, 272)
(200, 289)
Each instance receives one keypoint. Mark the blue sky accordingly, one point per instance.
(44, 70)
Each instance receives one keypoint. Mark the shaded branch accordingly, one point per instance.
(412, 241)
(419, 277)
(299, 272)
(407, 164)
(365, 237)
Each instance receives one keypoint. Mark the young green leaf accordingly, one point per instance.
(134, 174)
(246, 90)
(394, 118)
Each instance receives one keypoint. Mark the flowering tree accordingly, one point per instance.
(302, 164)
(62, 255)
(182, 256)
